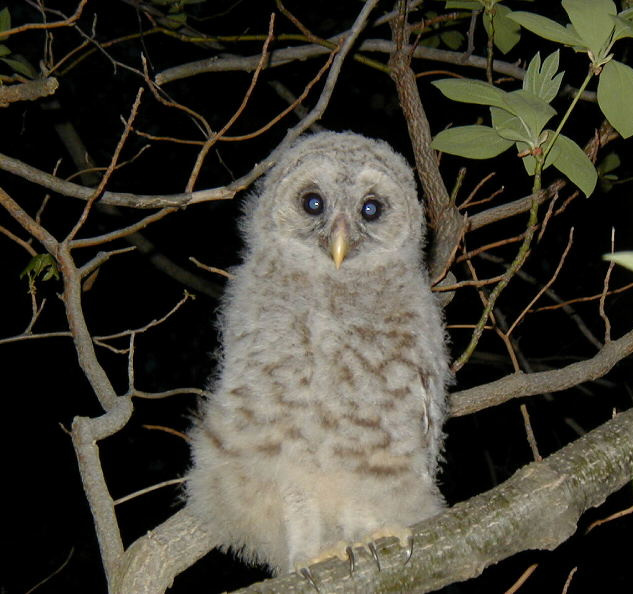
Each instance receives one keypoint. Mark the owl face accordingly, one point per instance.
(340, 201)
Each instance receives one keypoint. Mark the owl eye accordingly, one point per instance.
(371, 209)
(313, 203)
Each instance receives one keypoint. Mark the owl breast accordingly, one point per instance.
(333, 376)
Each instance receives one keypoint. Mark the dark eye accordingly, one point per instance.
(371, 210)
(313, 203)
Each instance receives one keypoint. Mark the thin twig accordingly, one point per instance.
(476, 189)
(168, 430)
(51, 575)
(605, 290)
(161, 96)
(167, 393)
(156, 322)
(211, 268)
(583, 299)
(530, 433)
(110, 169)
(615, 516)
(21, 242)
(469, 283)
(146, 490)
(490, 246)
(123, 231)
(213, 138)
(54, 25)
(100, 258)
(524, 576)
(568, 580)
(512, 269)
(547, 285)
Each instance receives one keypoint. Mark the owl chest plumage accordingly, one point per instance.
(332, 370)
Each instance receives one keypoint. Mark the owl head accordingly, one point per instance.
(338, 202)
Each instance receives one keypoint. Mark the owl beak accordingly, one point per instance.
(339, 241)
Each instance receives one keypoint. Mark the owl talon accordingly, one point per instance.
(352, 559)
(307, 575)
(409, 548)
(374, 553)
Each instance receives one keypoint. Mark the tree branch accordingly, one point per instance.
(520, 384)
(442, 212)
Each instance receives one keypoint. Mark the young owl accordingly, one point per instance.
(325, 423)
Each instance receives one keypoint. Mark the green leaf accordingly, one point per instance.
(546, 28)
(592, 21)
(543, 81)
(626, 14)
(4, 50)
(21, 66)
(615, 89)
(472, 142)
(430, 41)
(506, 32)
(452, 39)
(41, 263)
(623, 28)
(622, 258)
(5, 19)
(471, 91)
(463, 5)
(610, 163)
(509, 126)
(174, 20)
(572, 161)
(532, 110)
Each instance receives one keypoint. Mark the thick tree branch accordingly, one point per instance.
(27, 91)
(153, 561)
(283, 56)
(443, 215)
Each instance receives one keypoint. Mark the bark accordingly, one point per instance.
(153, 561)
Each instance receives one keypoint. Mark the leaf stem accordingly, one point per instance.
(552, 140)
(492, 299)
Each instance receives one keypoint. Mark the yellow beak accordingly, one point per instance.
(339, 242)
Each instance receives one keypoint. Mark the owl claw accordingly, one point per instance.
(409, 548)
(374, 553)
(352, 559)
(307, 575)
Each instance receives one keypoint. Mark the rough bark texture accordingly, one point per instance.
(443, 217)
(153, 561)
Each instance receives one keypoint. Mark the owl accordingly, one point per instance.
(325, 423)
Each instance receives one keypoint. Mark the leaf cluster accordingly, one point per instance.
(594, 27)
(518, 118)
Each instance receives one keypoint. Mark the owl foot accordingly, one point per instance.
(307, 575)
(403, 534)
(345, 551)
